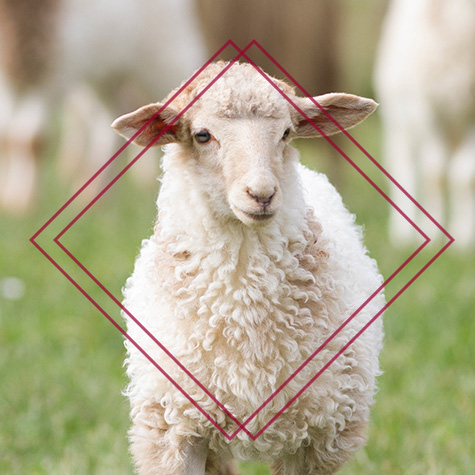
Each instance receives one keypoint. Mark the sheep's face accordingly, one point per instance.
(241, 162)
(235, 137)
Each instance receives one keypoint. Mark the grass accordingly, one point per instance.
(61, 374)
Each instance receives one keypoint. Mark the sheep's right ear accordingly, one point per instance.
(346, 111)
(154, 121)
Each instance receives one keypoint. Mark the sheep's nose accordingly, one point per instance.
(262, 198)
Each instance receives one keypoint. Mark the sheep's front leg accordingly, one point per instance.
(304, 462)
(195, 452)
(155, 454)
(316, 458)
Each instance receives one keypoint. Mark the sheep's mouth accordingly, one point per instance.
(261, 216)
(250, 217)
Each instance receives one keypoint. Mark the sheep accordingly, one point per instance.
(253, 263)
(425, 81)
(65, 60)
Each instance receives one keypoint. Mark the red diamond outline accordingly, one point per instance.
(241, 426)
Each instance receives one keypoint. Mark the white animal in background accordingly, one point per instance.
(253, 264)
(68, 59)
(425, 80)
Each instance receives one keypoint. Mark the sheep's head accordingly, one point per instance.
(235, 137)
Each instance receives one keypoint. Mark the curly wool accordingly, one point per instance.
(230, 94)
(243, 305)
(206, 293)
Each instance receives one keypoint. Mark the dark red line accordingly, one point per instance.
(357, 335)
(148, 333)
(108, 163)
(101, 310)
(155, 139)
(56, 240)
(358, 145)
(333, 335)
(334, 145)
(378, 189)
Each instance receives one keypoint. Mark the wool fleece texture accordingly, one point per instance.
(254, 262)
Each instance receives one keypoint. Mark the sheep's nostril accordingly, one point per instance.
(262, 199)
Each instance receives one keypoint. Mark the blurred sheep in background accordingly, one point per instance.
(73, 59)
(425, 80)
(299, 35)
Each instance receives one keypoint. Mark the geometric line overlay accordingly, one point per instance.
(241, 425)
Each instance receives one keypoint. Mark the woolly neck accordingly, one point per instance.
(188, 221)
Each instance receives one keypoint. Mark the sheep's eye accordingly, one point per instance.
(286, 134)
(203, 136)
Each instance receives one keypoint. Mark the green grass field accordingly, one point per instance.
(61, 375)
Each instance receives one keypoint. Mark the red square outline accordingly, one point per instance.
(241, 426)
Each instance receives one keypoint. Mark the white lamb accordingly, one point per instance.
(253, 264)
(425, 80)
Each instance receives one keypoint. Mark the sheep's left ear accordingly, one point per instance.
(346, 109)
(153, 121)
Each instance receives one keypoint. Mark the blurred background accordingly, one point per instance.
(69, 67)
